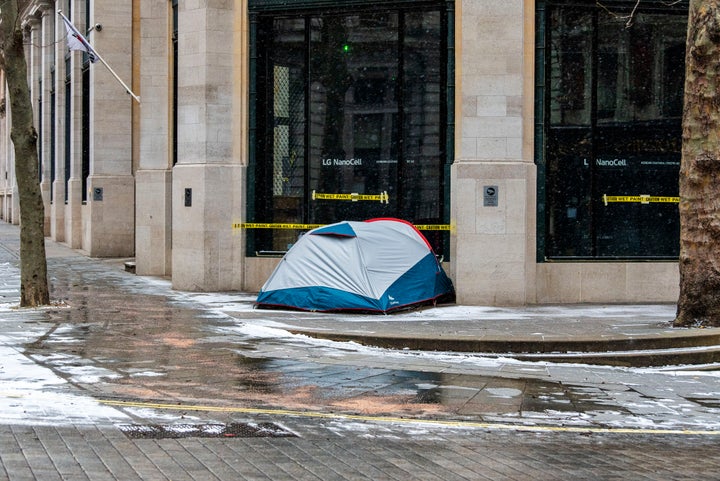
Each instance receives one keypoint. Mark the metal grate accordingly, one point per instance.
(232, 430)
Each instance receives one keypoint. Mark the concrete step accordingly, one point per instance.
(696, 346)
(707, 356)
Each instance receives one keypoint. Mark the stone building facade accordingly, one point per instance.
(502, 128)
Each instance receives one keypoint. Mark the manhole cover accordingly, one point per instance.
(232, 430)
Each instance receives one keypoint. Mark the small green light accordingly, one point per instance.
(346, 48)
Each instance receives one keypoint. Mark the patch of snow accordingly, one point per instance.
(32, 394)
(501, 392)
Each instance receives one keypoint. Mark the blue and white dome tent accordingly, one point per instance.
(380, 265)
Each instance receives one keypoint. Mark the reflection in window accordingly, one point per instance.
(641, 69)
(613, 98)
(348, 103)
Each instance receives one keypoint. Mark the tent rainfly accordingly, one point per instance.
(379, 265)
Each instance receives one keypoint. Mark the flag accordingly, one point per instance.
(76, 41)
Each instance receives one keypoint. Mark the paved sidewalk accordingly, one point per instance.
(622, 335)
(102, 454)
(127, 353)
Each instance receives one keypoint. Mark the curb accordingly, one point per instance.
(700, 346)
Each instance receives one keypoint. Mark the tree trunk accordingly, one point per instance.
(33, 264)
(699, 301)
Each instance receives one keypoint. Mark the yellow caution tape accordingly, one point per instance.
(642, 199)
(256, 225)
(383, 197)
(433, 226)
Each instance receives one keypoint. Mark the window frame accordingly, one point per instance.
(542, 114)
(261, 10)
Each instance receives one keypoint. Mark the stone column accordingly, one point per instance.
(494, 246)
(108, 214)
(4, 181)
(206, 254)
(33, 56)
(57, 206)
(13, 199)
(153, 178)
(74, 205)
(45, 122)
(7, 171)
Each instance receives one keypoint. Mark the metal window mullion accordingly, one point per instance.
(449, 106)
(402, 128)
(308, 122)
(593, 131)
(542, 118)
(252, 130)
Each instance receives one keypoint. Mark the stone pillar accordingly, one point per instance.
(206, 255)
(57, 205)
(4, 181)
(34, 65)
(45, 122)
(7, 172)
(153, 178)
(4, 177)
(494, 245)
(13, 199)
(108, 214)
(74, 203)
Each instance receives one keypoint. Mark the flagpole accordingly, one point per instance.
(99, 57)
(127, 89)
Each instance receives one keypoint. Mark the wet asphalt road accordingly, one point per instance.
(120, 352)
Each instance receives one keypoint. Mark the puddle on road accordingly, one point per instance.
(144, 347)
(173, 362)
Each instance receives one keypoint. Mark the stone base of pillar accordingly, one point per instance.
(207, 255)
(108, 218)
(153, 222)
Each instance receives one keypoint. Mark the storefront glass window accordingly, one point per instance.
(348, 120)
(612, 114)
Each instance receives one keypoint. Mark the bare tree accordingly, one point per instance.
(699, 300)
(33, 263)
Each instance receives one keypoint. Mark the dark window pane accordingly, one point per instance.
(348, 104)
(632, 161)
(640, 68)
(280, 194)
(570, 67)
(614, 99)
(353, 104)
(568, 190)
(85, 157)
(423, 90)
